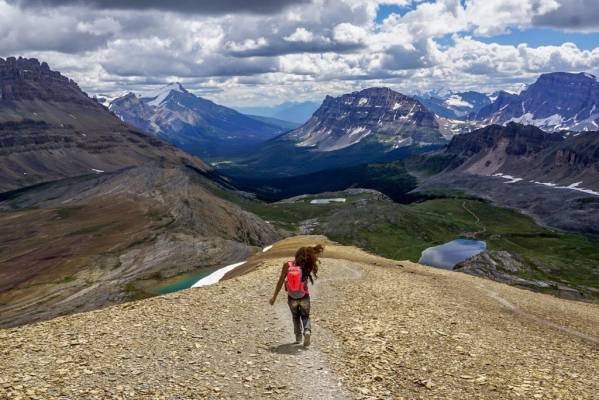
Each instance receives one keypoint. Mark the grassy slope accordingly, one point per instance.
(402, 231)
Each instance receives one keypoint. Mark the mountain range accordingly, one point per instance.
(91, 206)
(192, 123)
(556, 101)
(551, 176)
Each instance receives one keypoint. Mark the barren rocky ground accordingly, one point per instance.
(382, 330)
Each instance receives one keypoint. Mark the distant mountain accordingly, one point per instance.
(94, 210)
(192, 123)
(455, 105)
(379, 114)
(372, 125)
(552, 176)
(556, 101)
(50, 129)
(279, 123)
(288, 111)
(528, 153)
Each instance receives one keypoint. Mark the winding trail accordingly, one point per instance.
(319, 381)
(478, 222)
(535, 318)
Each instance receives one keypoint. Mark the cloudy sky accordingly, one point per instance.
(244, 52)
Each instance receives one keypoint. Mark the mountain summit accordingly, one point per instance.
(556, 101)
(378, 113)
(192, 123)
(50, 130)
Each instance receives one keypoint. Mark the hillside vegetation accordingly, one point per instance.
(402, 231)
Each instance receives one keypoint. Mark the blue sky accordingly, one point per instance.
(533, 37)
(536, 37)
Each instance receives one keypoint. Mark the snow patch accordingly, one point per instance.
(457, 101)
(510, 178)
(573, 186)
(158, 96)
(97, 171)
(362, 101)
(264, 250)
(217, 275)
(554, 121)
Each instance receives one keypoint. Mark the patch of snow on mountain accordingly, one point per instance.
(158, 96)
(554, 121)
(510, 178)
(573, 186)
(357, 130)
(457, 101)
(396, 106)
(362, 101)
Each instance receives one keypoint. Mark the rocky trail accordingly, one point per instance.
(382, 329)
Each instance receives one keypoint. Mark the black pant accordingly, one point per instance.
(300, 313)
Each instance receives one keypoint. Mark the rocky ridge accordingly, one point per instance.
(529, 154)
(87, 242)
(556, 101)
(408, 332)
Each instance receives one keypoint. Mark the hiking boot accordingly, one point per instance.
(307, 338)
(298, 338)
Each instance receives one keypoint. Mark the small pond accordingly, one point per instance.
(451, 253)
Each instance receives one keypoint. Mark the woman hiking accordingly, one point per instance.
(295, 275)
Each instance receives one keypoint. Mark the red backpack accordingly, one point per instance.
(294, 284)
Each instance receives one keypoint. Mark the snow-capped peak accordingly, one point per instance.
(156, 97)
(590, 76)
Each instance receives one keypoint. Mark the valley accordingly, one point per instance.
(372, 221)
(299, 199)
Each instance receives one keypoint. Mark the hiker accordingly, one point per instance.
(295, 275)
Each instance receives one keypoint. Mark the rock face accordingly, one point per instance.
(376, 113)
(192, 123)
(50, 129)
(27, 79)
(501, 266)
(505, 267)
(528, 153)
(83, 243)
(556, 101)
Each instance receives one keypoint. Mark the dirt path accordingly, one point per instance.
(537, 319)
(477, 219)
(312, 371)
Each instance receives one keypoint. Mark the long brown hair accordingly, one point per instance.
(307, 259)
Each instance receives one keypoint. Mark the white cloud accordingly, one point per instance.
(300, 35)
(300, 51)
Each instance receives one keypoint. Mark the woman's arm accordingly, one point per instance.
(279, 283)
